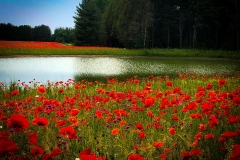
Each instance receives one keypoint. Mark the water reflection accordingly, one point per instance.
(98, 68)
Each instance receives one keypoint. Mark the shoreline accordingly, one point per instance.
(119, 56)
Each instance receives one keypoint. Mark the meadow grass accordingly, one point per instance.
(192, 116)
(119, 52)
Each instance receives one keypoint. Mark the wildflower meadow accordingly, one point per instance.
(191, 117)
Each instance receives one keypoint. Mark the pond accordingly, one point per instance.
(99, 67)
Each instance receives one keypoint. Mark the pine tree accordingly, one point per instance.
(86, 23)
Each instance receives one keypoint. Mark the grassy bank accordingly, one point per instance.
(119, 52)
(12, 48)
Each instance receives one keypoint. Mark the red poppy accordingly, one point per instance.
(172, 131)
(73, 120)
(40, 121)
(56, 151)
(209, 86)
(196, 152)
(15, 92)
(213, 122)
(222, 82)
(60, 123)
(148, 102)
(163, 156)
(208, 136)
(135, 157)
(235, 155)
(69, 132)
(87, 155)
(142, 135)
(236, 100)
(186, 155)
(198, 135)
(229, 134)
(233, 119)
(38, 151)
(169, 84)
(9, 147)
(18, 123)
(115, 131)
(74, 112)
(202, 127)
(60, 90)
(150, 114)
(4, 135)
(41, 89)
(139, 126)
(175, 118)
(158, 144)
(33, 138)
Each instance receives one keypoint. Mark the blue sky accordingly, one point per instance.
(53, 13)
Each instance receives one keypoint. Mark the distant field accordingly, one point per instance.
(12, 48)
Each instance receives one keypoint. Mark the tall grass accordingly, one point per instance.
(119, 52)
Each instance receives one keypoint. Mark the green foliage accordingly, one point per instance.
(25, 32)
(63, 35)
(87, 23)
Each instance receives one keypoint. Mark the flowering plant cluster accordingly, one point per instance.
(42, 45)
(189, 117)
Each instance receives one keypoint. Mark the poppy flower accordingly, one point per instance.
(150, 114)
(157, 144)
(202, 127)
(229, 134)
(209, 86)
(18, 123)
(69, 132)
(33, 138)
(198, 135)
(172, 131)
(142, 135)
(40, 121)
(135, 157)
(88, 155)
(233, 119)
(41, 89)
(169, 84)
(56, 151)
(4, 135)
(74, 112)
(222, 82)
(175, 118)
(60, 90)
(9, 147)
(186, 155)
(213, 121)
(15, 92)
(73, 120)
(149, 101)
(163, 156)
(115, 131)
(38, 151)
(196, 152)
(60, 123)
(235, 155)
(208, 136)
(139, 126)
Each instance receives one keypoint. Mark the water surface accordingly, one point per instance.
(94, 67)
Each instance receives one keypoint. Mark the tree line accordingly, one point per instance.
(200, 24)
(203, 24)
(38, 33)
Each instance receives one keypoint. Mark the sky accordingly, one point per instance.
(52, 13)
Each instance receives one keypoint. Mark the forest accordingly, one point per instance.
(199, 24)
